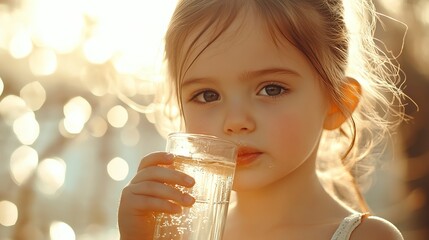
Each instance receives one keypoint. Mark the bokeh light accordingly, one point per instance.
(393, 6)
(58, 24)
(61, 231)
(98, 232)
(118, 169)
(77, 111)
(23, 162)
(51, 174)
(13, 107)
(117, 116)
(133, 118)
(130, 136)
(21, 45)
(97, 51)
(1, 86)
(26, 128)
(97, 126)
(43, 62)
(8, 213)
(34, 95)
(67, 61)
(423, 11)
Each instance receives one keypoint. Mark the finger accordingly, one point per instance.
(162, 191)
(157, 205)
(156, 158)
(163, 175)
(136, 204)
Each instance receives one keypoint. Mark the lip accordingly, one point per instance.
(247, 155)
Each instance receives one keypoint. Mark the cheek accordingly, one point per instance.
(296, 132)
(286, 129)
(200, 121)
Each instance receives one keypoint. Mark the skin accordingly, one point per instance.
(269, 100)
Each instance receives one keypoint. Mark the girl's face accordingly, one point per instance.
(264, 97)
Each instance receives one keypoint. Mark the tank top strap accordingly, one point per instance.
(347, 226)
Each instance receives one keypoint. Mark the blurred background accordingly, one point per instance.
(69, 142)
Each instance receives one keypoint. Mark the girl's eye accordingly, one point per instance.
(206, 96)
(272, 90)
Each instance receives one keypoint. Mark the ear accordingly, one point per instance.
(351, 91)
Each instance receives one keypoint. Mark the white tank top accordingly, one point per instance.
(347, 226)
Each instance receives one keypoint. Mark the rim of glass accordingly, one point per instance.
(201, 136)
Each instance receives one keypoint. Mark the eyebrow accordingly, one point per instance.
(268, 71)
(248, 75)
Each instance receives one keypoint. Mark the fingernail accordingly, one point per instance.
(189, 180)
(187, 199)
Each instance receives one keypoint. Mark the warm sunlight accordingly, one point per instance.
(130, 136)
(79, 84)
(26, 128)
(117, 116)
(43, 62)
(61, 231)
(58, 24)
(393, 6)
(51, 174)
(13, 107)
(8, 213)
(97, 126)
(77, 111)
(20, 45)
(34, 95)
(23, 163)
(1, 86)
(102, 47)
(424, 12)
(117, 169)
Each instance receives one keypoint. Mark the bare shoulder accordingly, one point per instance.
(373, 227)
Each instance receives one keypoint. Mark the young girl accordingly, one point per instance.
(301, 87)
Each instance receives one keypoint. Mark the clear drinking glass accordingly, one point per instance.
(211, 162)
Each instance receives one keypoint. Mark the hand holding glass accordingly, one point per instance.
(211, 162)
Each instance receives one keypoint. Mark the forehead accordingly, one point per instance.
(246, 44)
(223, 37)
(214, 34)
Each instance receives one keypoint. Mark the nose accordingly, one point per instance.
(239, 120)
